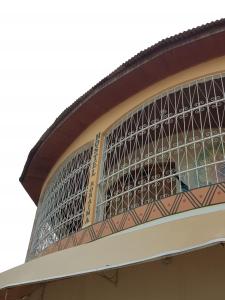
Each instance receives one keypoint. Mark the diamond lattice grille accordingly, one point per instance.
(60, 209)
(171, 144)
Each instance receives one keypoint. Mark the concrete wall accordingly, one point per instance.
(197, 275)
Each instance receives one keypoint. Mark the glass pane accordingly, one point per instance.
(170, 145)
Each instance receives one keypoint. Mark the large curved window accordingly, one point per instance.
(61, 207)
(172, 144)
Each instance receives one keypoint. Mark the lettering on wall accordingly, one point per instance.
(92, 180)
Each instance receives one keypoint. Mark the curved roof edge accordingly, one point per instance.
(157, 62)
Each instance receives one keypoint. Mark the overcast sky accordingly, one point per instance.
(51, 52)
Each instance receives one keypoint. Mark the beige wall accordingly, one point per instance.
(146, 242)
(106, 120)
(198, 275)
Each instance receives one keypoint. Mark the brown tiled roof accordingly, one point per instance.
(142, 58)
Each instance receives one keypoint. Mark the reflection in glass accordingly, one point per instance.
(170, 145)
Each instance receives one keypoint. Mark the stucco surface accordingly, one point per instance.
(145, 243)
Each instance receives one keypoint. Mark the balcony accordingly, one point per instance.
(163, 158)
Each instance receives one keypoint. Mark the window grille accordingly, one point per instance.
(171, 144)
(60, 209)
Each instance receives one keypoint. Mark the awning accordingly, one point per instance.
(161, 238)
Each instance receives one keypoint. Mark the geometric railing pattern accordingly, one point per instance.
(165, 157)
(194, 199)
(61, 207)
(171, 144)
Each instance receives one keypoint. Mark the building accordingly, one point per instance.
(129, 182)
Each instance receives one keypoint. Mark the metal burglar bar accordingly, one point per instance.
(170, 145)
(60, 209)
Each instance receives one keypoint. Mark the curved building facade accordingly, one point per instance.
(134, 171)
(158, 156)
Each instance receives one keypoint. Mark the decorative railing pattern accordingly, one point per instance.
(165, 157)
(171, 144)
(61, 207)
(180, 203)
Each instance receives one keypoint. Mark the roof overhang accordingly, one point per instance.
(166, 58)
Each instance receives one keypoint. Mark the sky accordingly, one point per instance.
(52, 52)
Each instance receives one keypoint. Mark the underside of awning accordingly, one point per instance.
(171, 236)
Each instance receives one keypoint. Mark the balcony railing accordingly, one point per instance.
(61, 207)
(172, 144)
